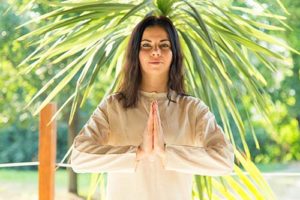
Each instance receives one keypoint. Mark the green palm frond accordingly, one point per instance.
(89, 36)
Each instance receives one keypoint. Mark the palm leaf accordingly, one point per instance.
(85, 36)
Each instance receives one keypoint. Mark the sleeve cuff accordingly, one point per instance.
(82, 162)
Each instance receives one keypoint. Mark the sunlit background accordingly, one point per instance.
(274, 143)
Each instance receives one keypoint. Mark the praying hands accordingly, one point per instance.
(153, 137)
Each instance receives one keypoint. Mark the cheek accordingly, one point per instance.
(169, 57)
(142, 57)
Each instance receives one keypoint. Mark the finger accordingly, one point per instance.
(150, 119)
(148, 136)
(155, 125)
(154, 134)
(158, 134)
(153, 105)
(152, 116)
(157, 113)
(154, 112)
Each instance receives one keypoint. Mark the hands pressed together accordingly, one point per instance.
(153, 137)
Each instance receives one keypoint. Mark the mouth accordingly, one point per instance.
(155, 63)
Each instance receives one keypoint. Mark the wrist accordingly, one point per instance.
(139, 153)
(161, 151)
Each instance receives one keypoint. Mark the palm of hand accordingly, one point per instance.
(153, 137)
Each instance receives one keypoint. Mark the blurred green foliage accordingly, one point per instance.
(18, 127)
(278, 139)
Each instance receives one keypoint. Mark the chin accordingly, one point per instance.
(157, 70)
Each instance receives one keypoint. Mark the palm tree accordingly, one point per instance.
(219, 42)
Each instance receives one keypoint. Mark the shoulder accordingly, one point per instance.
(193, 105)
(193, 101)
(107, 104)
(110, 100)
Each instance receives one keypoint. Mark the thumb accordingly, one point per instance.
(150, 118)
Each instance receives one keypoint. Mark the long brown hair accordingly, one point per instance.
(131, 75)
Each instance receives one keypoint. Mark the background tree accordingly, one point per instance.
(279, 142)
(17, 125)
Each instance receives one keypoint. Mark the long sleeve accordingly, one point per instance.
(92, 154)
(212, 157)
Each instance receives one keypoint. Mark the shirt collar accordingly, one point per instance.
(155, 95)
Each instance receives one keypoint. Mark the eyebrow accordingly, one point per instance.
(160, 40)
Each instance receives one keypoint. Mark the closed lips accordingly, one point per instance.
(155, 62)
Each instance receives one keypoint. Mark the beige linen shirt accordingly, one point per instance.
(195, 144)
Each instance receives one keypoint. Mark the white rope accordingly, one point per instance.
(20, 164)
(61, 163)
(282, 174)
(272, 173)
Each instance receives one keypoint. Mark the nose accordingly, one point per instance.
(156, 51)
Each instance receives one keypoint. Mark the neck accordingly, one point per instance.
(154, 84)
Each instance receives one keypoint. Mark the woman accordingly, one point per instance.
(150, 136)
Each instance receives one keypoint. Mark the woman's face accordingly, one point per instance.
(155, 54)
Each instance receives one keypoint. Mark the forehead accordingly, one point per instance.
(155, 33)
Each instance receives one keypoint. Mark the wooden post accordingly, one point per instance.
(47, 153)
